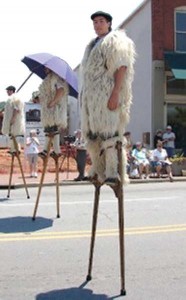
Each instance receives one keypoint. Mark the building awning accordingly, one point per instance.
(177, 63)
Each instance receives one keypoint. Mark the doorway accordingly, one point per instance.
(176, 117)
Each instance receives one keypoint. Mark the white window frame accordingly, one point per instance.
(178, 10)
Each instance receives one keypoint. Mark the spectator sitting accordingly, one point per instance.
(161, 160)
(129, 143)
(139, 154)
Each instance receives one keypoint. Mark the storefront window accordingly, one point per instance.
(175, 86)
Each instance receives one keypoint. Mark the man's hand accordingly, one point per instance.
(57, 98)
(113, 102)
(51, 104)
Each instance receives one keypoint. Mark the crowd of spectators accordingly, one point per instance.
(144, 163)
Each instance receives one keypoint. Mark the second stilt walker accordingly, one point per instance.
(53, 95)
(13, 120)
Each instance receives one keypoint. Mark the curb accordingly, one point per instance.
(72, 182)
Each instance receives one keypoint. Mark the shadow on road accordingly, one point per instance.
(74, 293)
(4, 199)
(23, 224)
(71, 294)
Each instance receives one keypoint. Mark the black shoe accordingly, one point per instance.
(78, 178)
(111, 181)
(171, 179)
(55, 155)
(51, 130)
(13, 152)
(43, 154)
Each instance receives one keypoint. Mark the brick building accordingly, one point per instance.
(158, 28)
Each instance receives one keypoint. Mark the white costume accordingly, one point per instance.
(101, 127)
(18, 127)
(57, 115)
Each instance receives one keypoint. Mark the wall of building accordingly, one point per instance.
(138, 28)
(162, 40)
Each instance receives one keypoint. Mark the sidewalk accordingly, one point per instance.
(49, 179)
(65, 178)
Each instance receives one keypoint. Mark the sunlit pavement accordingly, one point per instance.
(65, 178)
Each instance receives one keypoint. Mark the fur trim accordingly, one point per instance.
(110, 143)
(18, 127)
(56, 115)
(98, 67)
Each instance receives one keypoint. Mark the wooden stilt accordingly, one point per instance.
(57, 187)
(121, 218)
(11, 173)
(20, 165)
(45, 161)
(118, 190)
(94, 225)
(16, 154)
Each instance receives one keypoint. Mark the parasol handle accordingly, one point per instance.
(24, 82)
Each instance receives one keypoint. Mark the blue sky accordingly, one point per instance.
(58, 27)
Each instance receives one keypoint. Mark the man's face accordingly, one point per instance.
(47, 71)
(101, 26)
(9, 92)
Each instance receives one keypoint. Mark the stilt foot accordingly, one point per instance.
(58, 216)
(33, 219)
(123, 292)
(89, 277)
(28, 197)
(8, 196)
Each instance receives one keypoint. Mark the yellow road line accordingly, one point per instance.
(29, 236)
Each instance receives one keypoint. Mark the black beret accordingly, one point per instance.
(11, 88)
(102, 14)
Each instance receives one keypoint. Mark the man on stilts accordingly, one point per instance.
(14, 126)
(106, 96)
(53, 95)
(13, 120)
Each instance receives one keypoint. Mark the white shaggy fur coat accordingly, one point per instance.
(18, 128)
(98, 68)
(56, 115)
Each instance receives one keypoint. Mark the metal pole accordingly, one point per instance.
(24, 83)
